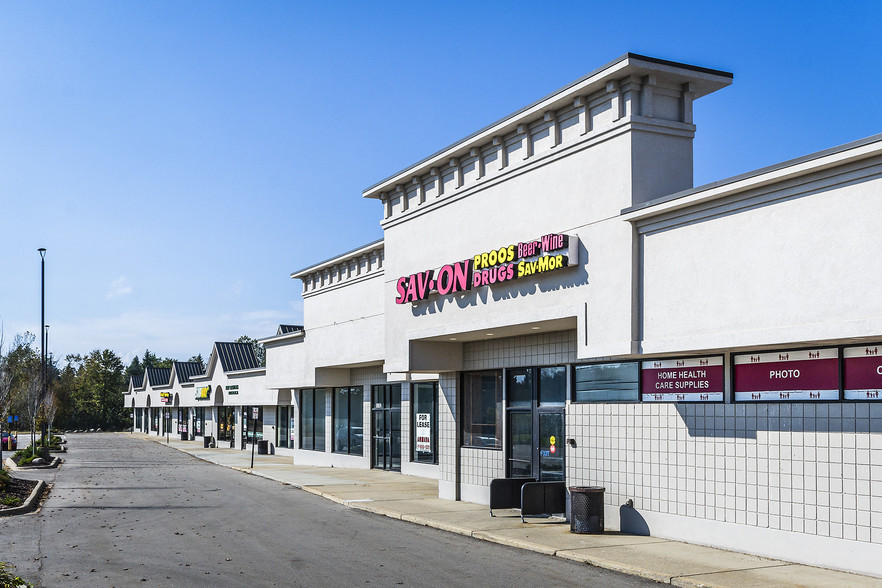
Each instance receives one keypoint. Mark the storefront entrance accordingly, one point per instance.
(182, 424)
(386, 427)
(536, 445)
(252, 428)
(226, 424)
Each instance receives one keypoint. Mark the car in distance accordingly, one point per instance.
(9, 441)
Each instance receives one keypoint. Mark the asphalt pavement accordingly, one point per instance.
(415, 500)
(124, 511)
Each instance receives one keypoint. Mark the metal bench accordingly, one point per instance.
(528, 496)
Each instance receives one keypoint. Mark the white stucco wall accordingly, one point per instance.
(769, 266)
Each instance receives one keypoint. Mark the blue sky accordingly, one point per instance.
(180, 159)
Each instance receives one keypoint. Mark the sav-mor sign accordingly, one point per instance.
(509, 262)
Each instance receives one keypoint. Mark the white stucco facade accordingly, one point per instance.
(700, 349)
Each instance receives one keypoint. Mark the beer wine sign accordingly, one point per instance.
(507, 263)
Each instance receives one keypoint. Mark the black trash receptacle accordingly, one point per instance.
(206, 441)
(263, 447)
(185, 436)
(586, 509)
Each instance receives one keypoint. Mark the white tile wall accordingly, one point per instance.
(813, 469)
(807, 468)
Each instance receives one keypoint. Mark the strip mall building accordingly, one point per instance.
(553, 299)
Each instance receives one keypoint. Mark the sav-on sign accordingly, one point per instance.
(510, 262)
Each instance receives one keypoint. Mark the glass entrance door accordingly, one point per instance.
(535, 405)
(386, 427)
(550, 445)
(520, 452)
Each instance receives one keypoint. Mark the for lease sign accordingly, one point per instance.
(862, 372)
(808, 374)
(697, 379)
(423, 432)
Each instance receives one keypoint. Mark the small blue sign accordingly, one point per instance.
(16, 418)
(9, 418)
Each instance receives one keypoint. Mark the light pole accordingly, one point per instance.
(43, 332)
(47, 363)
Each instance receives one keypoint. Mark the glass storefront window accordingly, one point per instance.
(482, 409)
(606, 382)
(349, 420)
(520, 387)
(312, 419)
(424, 419)
(200, 421)
(226, 424)
(253, 428)
(552, 385)
(386, 426)
(282, 435)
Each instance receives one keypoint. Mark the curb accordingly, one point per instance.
(30, 504)
(56, 461)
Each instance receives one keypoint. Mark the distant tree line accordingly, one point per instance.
(86, 393)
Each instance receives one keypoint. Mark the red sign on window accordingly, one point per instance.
(809, 374)
(698, 379)
(863, 372)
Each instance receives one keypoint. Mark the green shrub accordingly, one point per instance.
(4, 480)
(27, 455)
(8, 579)
(10, 500)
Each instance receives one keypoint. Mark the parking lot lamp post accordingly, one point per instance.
(46, 363)
(43, 333)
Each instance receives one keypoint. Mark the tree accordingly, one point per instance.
(50, 409)
(98, 401)
(22, 361)
(35, 389)
(6, 381)
(259, 350)
(153, 360)
(134, 368)
(197, 359)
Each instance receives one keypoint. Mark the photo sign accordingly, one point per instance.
(697, 379)
(423, 432)
(808, 374)
(862, 372)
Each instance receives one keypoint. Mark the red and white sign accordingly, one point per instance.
(809, 374)
(423, 432)
(698, 379)
(863, 372)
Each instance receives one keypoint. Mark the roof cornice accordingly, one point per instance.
(703, 80)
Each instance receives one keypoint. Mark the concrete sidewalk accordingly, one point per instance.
(415, 500)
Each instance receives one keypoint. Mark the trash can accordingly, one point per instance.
(185, 436)
(586, 509)
(263, 447)
(206, 441)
